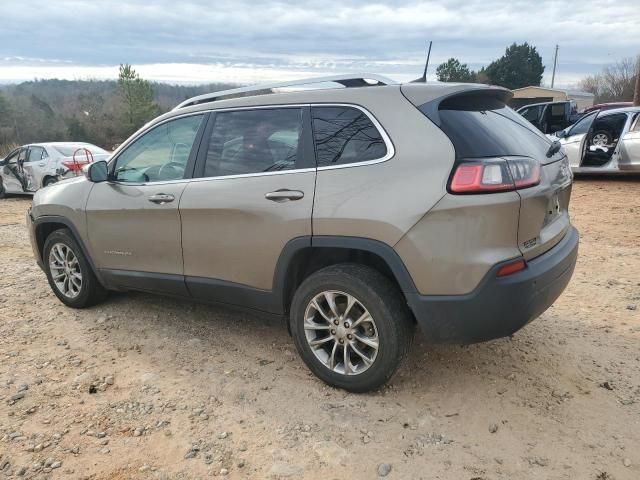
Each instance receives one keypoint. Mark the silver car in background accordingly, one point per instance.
(604, 142)
(31, 167)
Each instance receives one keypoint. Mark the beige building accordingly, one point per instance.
(527, 95)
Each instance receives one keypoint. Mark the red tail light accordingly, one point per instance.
(510, 268)
(495, 175)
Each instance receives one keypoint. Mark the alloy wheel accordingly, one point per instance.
(65, 270)
(600, 140)
(341, 332)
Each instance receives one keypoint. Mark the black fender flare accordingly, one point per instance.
(76, 236)
(298, 244)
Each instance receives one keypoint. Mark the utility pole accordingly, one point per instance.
(555, 62)
(636, 95)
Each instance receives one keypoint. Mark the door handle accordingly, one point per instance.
(161, 198)
(283, 195)
(41, 164)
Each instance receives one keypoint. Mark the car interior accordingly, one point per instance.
(612, 125)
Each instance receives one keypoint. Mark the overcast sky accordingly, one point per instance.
(250, 41)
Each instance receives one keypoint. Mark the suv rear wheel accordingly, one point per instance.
(351, 326)
(70, 275)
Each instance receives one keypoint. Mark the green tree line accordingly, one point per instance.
(102, 112)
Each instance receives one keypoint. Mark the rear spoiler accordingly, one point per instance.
(457, 96)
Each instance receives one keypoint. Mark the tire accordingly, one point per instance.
(90, 291)
(49, 181)
(601, 138)
(391, 327)
(3, 194)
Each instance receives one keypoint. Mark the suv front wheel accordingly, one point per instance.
(69, 273)
(351, 326)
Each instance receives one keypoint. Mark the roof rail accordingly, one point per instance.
(359, 80)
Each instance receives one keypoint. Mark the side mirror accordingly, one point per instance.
(561, 134)
(97, 171)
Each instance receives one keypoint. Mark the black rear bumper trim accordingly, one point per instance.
(498, 307)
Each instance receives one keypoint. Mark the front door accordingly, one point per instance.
(573, 140)
(132, 219)
(255, 194)
(12, 180)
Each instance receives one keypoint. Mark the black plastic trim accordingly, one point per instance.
(498, 307)
(384, 251)
(171, 284)
(67, 223)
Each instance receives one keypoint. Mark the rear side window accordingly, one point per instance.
(254, 141)
(483, 126)
(345, 135)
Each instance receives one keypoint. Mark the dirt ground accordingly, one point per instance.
(150, 387)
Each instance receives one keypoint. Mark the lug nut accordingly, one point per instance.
(346, 324)
(341, 341)
(350, 337)
(336, 322)
(333, 332)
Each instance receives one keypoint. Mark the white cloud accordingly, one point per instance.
(261, 40)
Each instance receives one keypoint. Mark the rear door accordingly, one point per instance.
(34, 167)
(254, 195)
(630, 147)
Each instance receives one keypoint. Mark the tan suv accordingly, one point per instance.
(354, 212)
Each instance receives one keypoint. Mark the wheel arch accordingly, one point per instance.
(46, 225)
(303, 256)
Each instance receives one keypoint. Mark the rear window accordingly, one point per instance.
(345, 135)
(69, 151)
(482, 126)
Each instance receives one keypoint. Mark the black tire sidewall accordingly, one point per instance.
(85, 297)
(391, 348)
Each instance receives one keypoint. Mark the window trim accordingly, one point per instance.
(385, 138)
(205, 128)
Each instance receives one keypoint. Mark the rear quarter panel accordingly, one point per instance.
(383, 201)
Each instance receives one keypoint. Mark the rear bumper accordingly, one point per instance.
(498, 307)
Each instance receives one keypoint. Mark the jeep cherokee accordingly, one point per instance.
(354, 212)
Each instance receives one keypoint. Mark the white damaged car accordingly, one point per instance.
(605, 141)
(31, 167)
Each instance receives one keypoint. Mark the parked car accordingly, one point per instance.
(31, 167)
(352, 212)
(604, 141)
(607, 106)
(550, 117)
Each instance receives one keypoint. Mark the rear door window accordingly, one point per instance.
(345, 135)
(254, 141)
(35, 154)
(483, 126)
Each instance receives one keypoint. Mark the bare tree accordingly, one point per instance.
(615, 84)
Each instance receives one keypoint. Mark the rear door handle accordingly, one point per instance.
(283, 195)
(161, 198)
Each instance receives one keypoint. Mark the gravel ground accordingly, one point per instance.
(150, 387)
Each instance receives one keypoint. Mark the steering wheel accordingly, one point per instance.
(171, 171)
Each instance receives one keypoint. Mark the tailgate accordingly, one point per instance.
(544, 210)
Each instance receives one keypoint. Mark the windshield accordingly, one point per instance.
(483, 126)
(68, 151)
